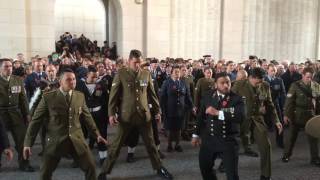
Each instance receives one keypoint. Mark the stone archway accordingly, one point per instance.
(116, 21)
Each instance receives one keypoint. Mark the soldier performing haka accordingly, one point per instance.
(96, 95)
(302, 103)
(60, 110)
(133, 138)
(14, 109)
(132, 87)
(258, 103)
(218, 120)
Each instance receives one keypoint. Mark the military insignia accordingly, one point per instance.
(113, 84)
(224, 103)
(262, 98)
(289, 95)
(98, 93)
(15, 89)
(143, 83)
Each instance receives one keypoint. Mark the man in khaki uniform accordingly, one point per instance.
(131, 89)
(302, 104)
(258, 103)
(14, 109)
(188, 118)
(203, 86)
(60, 110)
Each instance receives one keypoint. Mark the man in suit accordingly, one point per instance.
(32, 81)
(218, 121)
(290, 76)
(14, 109)
(131, 89)
(60, 111)
(278, 94)
(258, 103)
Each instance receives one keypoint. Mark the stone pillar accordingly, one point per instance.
(232, 29)
(13, 30)
(40, 27)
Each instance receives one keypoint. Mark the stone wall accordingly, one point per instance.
(231, 29)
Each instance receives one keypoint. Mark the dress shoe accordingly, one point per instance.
(178, 148)
(315, 162)
(161, 155)
(265, 178)
(163, 173)
(285, 159)
(130, 158)
(26, 168)
(251, 153)
(221, 168)
(102, 177)
(169, 149)
(40, 153)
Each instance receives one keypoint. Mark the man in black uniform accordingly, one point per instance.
(96, 94)
(218, 120)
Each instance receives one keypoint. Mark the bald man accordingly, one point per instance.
(241, 75)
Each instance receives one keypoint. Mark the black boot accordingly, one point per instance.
(130, 158)
(315, 162)
(178, 148)
(265, 178)
(251, 153)
(285, 158)
(26, 168)
(163, 173)
(102, 176)
(221, 168)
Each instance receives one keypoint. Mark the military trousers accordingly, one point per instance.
(213, 147)
(291, 140)
(15, 123)
(260, 133)
(133, 137)
(145, 130)
(246, 133)
(85, 161)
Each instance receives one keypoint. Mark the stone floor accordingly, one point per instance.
(184, 166)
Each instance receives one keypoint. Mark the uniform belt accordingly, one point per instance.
(8, 107)
(95, 109)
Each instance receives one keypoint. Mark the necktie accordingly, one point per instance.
(68, 98)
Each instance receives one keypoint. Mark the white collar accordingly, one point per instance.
(220, 94)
